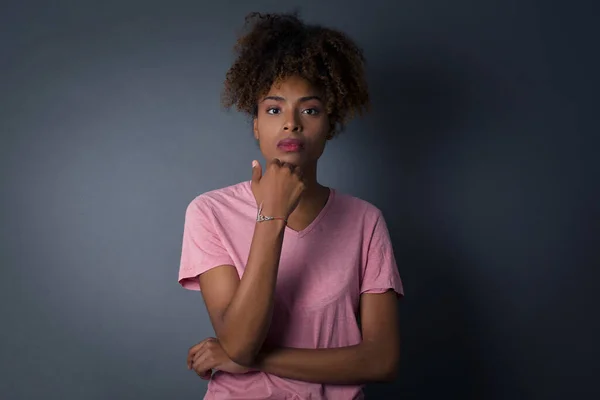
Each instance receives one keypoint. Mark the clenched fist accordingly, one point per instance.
(280, 188)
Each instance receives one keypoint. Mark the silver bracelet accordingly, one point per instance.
(263, 218)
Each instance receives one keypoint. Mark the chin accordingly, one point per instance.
(292, 158)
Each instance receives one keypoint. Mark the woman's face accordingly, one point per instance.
(292, 123)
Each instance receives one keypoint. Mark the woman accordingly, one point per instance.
(288, 267)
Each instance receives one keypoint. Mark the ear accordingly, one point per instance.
(255, 128)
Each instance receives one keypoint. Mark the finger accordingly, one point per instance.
(256, 171)
(203, 374)
(290, 166)
(205, 351)
(202, 365)
(192, 353)
(194, 350)
(201, 353)
(206, 375)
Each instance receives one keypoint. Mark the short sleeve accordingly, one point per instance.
(380, 272)
(201, 248)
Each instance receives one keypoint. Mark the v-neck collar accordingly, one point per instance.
(315, 221)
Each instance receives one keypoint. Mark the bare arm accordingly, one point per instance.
(240, 310)
(375, 359)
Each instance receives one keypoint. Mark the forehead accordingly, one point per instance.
(293, 86)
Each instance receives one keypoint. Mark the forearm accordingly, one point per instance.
(357, 364)
(246, 320)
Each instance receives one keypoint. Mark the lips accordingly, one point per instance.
(290, 145)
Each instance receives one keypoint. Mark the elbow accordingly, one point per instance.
(388, 374)
(386, 370)
(245, 359)
(239, 354)
(237, 349)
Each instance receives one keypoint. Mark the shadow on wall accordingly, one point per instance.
(421, 103)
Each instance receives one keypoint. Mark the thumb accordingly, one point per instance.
(256, 172)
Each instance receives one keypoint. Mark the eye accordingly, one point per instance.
(273, 110)
(311, 111)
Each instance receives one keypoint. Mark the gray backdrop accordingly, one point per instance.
(476, 151)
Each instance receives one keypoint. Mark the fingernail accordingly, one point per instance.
(254, 163)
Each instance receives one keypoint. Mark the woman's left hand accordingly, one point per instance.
(208, 355)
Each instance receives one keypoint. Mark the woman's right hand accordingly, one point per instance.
(279, 190)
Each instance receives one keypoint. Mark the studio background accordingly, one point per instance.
(480, 150)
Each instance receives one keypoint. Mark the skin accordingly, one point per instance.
(292, 108)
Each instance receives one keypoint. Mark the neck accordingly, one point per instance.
(314, 195)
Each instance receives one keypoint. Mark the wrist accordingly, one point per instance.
(272, 211)
(270, 214)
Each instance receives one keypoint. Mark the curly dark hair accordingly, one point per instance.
(276, 46)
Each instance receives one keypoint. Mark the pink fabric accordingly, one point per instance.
(323, 270)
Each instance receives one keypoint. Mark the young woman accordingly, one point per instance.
(299, 280)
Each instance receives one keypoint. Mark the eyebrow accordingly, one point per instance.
(302, 99)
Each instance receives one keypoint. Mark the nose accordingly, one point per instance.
(292, 122)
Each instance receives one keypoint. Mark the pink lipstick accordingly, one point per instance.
(290, 145)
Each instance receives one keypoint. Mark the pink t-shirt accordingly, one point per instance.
(323, 270)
